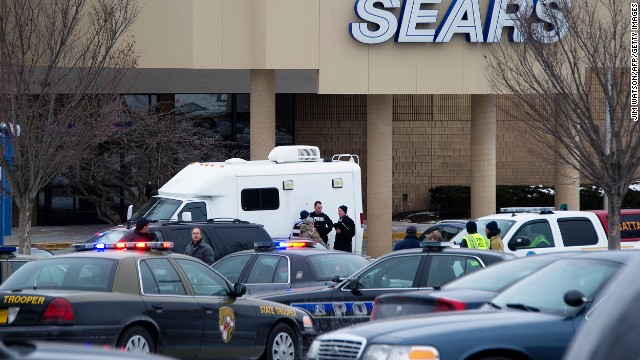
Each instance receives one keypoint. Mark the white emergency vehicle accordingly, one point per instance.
(270, 192)
(537, 230)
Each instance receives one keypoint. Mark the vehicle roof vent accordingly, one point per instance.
(295, 153)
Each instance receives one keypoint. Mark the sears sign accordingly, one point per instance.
(546, 18)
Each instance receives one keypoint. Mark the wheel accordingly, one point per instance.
(137, 340)
(282, 344)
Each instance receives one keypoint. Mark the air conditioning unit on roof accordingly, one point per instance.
(294, 153)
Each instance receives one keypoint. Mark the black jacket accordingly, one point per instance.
(323, 224)
(347, 232)
(409, 242)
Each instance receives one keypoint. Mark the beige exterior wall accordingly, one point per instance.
(304, 34)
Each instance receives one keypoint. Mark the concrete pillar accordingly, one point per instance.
(263, 113)
(483, 155)
(379, 174)
(567, 182)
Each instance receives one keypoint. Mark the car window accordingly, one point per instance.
(108, 236)
(577, 232)
(239, 234)
(503, 225)
(159, 277)
(64, 273)
(325, 266)
(263, 270)
(16, 264)
(537, 233)
(203, 280)
(198, 211)
(232, 266)
(444, 268)
(396, 272)
(545, 289)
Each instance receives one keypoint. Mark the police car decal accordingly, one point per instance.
(356, 309)
(227, 323)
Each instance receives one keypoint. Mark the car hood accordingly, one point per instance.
(411, 330)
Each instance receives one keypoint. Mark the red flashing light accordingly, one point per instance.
(121, 246)
(141, 245)
(448, 305)
(167, 245)
(58, 310)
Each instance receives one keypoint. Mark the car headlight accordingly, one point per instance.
(383, 352)
(313, 350)
(306, 321)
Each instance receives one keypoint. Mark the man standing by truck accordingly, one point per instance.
(322, 222)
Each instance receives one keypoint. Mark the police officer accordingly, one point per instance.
(410, 240)
(474, 240)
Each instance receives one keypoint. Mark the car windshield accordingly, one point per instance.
(63, 273)
(545, 289)
(503, 225)
(111, 236)
(325, 266)
(158, 209)
(497, 277)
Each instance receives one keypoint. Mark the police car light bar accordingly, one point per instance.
(436, 244)
(140, 245)
(266, 245)
(543, 209)
(7, 249)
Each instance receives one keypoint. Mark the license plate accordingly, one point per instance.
(4, 314)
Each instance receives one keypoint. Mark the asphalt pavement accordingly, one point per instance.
(61, 237)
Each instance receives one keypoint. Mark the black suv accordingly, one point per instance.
(225, 236)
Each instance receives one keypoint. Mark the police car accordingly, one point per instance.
(351, 301)
(273, 266)
(141, 297)
(10, 261)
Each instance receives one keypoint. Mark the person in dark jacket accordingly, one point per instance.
(199, 249)
(321, 221)
(345, 230)
(295, 232)
(410, 240)
(141, 232)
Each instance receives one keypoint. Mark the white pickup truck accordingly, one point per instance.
(528, 231)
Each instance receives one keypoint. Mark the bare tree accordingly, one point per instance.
(59, 62)
(144, 152)
(573, 89)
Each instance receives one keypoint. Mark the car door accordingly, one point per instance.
(229, 324)
(232, 267)
(352, 302)
(167, 303)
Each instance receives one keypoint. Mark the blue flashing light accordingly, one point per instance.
(7, 249)
(99, 246)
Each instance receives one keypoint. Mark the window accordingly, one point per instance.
(260, 199)
(203, 280)
(263, 270)
(538, 233)
(577, 232)
(398, 272)
(198, 211)
(444, 268)
(325, 266)
(232, 267)
(159, 277)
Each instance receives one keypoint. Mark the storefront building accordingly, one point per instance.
(401, 87)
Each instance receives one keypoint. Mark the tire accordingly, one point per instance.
(282, 344)
(137, 340)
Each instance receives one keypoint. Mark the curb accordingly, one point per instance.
(54, 246)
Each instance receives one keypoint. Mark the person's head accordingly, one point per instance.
(304, 214)
(142, 225)
(411, 230)
(435, 236)
(317, 207)
(492, 229)
(342, 210)
(471, 226)
(308, 220)
(196, 234)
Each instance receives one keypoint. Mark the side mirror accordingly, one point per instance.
(129, 212)
(186, 216)
(239, 289)
(337, 279)
(519, 243)
(352, 283)
(574, 298)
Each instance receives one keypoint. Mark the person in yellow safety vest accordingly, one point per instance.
(474, 240)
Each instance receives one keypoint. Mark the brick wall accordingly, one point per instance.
(431, 137)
